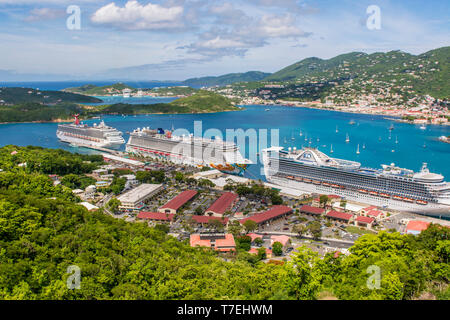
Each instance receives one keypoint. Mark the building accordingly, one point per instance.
(222, 205)
(130, 162)
(254, 236)
(205, 220)
(89, 206)
(284, 240)
(332, 200)
(217, 241)
(305, 209)
(416, 226)
(339, 216)
(176, 203)
(156, 216)
(209, 174)
(134, 199)
(254, 250)
(362, 221)
(90, 191)
(274, 213)
(102, 184)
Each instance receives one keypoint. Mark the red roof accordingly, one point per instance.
(255, 251)
(310, 209)
(206, 219)
(417, 225)
(365, 219)
(273, 212)
(222, 244)
(339, 215)
(370, 208)
(222, 204)
(155, 216)
(225, 244)
(374, 213)
(254, 236)
(180, 200)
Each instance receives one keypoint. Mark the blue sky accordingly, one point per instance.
(178, 39)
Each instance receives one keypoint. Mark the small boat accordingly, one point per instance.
(337, 129)
(424, 145)
(331, 151)
(423, 127)
(301, 133)
(267, 110)
(285, 141)
(396, 140)
(392, 150)
(352, 122)
(292, 138)
(347, 139)
(364, 145)
(357, 150)
(379, 138)
(318, 140)
(391, 127)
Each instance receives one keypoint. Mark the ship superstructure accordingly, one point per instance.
(391, 187)
(187, 149)
(99, 135)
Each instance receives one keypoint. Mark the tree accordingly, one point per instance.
(244, 242)
(300, 229)
(250, 225)
(323, 200)
(258, 241)
(235, 228)
(316, 229)
(199, 210)
(216, 225)
(262, 253)
(113, 204)
(277, 248)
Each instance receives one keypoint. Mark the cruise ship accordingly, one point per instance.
(187, 149)
(391, 187)
(99, 135)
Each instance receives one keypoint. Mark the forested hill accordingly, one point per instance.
(226, 79)
(93, 90)
(43, 231)
(27, 95)
(427, 73)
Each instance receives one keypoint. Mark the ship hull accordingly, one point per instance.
(88, 143)
(431, 209)
(235, 169)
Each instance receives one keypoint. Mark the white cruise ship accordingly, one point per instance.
(99, 135)
(190, 150)
(391, 187)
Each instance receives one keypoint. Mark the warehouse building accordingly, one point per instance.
(176, 203)
(222, 205)
(274, 213)
(134, 199)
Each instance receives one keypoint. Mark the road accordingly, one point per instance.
(330, 240)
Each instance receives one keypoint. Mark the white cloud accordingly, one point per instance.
(135, 16)
(44, 14)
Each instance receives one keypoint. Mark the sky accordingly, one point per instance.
(180, 39)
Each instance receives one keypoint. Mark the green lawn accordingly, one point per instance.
(353, 229)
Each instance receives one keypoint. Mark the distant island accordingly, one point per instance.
(226, 79)
(15, 95)
(200, 102)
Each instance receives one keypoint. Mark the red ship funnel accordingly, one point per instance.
(77, 121)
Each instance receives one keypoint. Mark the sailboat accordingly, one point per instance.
(424, 145)
(391, 127)
(285, 141)
(331, 151)
(364, 145)
(357, 150)
(423, 127)
(390, 136)
(318, 140)
(347, 139)
(337, 129)
(301, 133)
(396, 139)
(292, 136)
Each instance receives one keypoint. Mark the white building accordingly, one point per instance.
(134, 199)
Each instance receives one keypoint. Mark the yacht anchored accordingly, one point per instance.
(390, 187)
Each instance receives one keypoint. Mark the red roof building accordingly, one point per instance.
(221, 205)
(254, 236)
(207, 219)
(176, 203)
(364, 221)
(155, 216)
(333, 214)
(312, 210)
(416, 226)
(219, 242)
(273, 213)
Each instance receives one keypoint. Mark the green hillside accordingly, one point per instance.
(201, 102)
(29, 112)
(93, 90)
(226, 79)
(27, 95)
(427, 73)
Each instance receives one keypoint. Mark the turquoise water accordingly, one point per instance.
(409, 152)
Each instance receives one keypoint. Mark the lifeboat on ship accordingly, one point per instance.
(397, 198)
(317, 182)
(408, 200)
(385, 195)
(307, 180)
(335, 186)
(422, 202)
(298, 179)
(326, 184)
(373, 193)
(363, 191)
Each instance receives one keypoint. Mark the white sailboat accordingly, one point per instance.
(364, 145)
(331, 151)
(347, 139)
(337, 129)
(357, 150)
(396, 139)
(301, 133)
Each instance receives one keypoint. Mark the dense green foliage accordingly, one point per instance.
(43, 232)
(226, 79)
(28, 112)
(150, 176)
(15, 95)
(76, 181)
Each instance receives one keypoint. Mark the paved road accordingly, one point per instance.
(331, 240)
